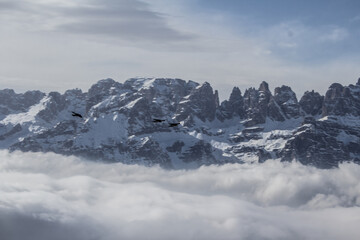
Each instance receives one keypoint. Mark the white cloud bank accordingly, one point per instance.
(47, 196)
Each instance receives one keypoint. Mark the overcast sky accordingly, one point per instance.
(62, 44)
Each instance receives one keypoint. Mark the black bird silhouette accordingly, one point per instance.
(158, 120)
(74, 114)
(173, 124)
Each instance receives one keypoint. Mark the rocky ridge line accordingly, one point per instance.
(253, 127)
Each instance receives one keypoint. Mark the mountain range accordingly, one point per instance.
(117, 123)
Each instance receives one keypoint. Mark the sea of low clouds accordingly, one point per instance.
(49, 196)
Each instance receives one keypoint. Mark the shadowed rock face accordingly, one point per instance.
(200, 151)
(202, 103)
(55, 105)
(10, 102)
(320, 144)
(287, 101)
(101, 90)
(260, 104)
(264, 97)
(118, 125)
(341, 100)
(234, 106)
(311, 103)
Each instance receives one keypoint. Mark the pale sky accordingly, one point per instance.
(55, 45)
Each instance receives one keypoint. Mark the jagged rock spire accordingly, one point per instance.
(234, 106)
(202, 102)
(311, 103)
(287, 101)
(340, 100)
(264, 86)
(235, 95)
(260, 104)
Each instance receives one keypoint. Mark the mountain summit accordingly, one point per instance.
(117, 123)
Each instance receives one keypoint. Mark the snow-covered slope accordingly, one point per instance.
(117, 123)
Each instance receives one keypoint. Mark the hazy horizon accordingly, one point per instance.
(221, 97)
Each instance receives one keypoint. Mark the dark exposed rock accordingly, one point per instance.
(275, 136)
(244, 149)
(263, 155)
(234, 106)
(311, 103)
(17, 128)
(54, 105)
(101, 90)
(252, 105)
(342, 101)
(274, 111)
(287, 101)
(309, 120)
(176, 147)
(149, 151)
(260, 104)
(11, 102)
(264, 97)
(321, 144)
(200, 152)
(202, 102)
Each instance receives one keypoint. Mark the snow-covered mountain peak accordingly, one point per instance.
(157, 83)
(176, 123)
(26, 117)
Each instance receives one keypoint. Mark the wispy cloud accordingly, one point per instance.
(130, 20)
(335, 35)
(47, 196)
(300, 43)
(355, 19)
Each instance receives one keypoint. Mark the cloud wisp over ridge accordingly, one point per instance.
(46, 196)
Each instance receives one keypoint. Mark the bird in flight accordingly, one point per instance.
(173, 124)
(74, 114)
(158, 120)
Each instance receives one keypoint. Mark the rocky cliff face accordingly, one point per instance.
(335, 136)
(287, 101)
(10, 102)
(342, 101)
(117, 123)
(311, 103)
(234, 107)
